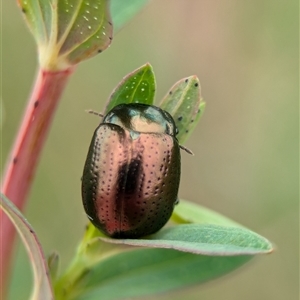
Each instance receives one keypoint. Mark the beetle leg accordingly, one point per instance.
(90, 111)
(187, 150)
(90, 217)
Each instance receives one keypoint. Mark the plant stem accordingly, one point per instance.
(25, 154)
(89, 252)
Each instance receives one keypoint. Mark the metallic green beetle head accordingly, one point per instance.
(141, 118)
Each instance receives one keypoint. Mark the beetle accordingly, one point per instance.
(132, 171)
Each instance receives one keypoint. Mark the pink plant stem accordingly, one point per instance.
(24, 157)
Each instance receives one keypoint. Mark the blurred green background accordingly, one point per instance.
(246, 146)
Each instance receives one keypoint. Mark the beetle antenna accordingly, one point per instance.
(187, 150)
(90, 111)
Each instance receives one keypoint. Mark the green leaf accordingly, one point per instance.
(42, 289)
(204, 239)
(184, 103)
(123, 11)
(150, 271)
(187, 212)
(145, 272)
(84, 28)
(68, 32)
(137, 87)
(38, 14)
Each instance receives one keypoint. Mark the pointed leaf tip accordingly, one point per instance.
(204, 239)
(137, 87)
(184, 103)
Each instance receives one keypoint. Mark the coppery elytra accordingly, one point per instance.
(132, 171)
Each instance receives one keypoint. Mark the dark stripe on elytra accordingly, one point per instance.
(128, 177)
